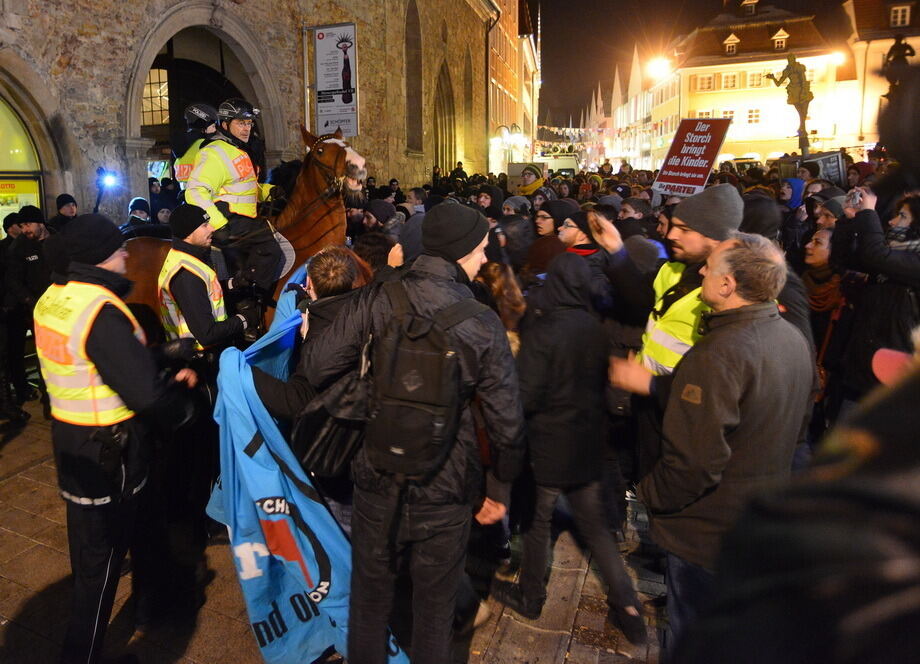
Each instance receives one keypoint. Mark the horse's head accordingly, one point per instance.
(342, 166)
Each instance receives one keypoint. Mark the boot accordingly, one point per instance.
(9, 408)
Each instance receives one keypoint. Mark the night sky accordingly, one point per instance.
(583, 40)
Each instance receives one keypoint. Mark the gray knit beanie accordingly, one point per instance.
(714, 212)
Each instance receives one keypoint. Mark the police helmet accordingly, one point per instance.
(236, 109)
(200, 116)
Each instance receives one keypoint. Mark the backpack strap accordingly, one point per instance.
(458, 312)
(396, 291)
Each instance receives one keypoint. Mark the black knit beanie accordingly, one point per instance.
(581, 220)
(559, 210)
(64, 199)
(453, 231)
(185, 219)
(91, 239)
(29, 214)
(138, 204)
(10, 219)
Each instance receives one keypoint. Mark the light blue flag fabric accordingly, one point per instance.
(293, 561)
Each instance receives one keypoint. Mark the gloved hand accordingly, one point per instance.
(180, 349)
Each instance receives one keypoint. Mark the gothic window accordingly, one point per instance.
(413, 57)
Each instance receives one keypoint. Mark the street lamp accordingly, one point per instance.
(105, 180)
(658, 68)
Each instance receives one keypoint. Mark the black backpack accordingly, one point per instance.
(417, 389)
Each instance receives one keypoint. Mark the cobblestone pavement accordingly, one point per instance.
(35, 590)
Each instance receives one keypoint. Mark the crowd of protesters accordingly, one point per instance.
(691, 351)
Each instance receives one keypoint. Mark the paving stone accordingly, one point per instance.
(567, 554)
(37, 568)
(13, 597)
(20, 645)
(22, 522)
(42, 473)
(15, 487)
(40, 499)
(594, 585)
(11, 545)
(561, 601)
(53, 535)
(579, 653)
(524, 644)
(25, 448)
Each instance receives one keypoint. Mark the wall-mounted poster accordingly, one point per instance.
(335, 67)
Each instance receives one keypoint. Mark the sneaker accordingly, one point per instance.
(511, 595)
(633, 627)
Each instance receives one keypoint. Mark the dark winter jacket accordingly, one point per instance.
(736, 410)
(487, 369)
(28, 274)
(287, 399)
(886, 308)
(562, 366)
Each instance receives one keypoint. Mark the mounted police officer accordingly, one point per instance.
(202, 121)
(224, 183)
(105, 392)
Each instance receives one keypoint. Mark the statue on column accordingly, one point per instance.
(896, 64)
(798, 94)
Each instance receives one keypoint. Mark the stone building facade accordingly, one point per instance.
(74, 72)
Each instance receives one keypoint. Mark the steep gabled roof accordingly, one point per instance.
(873, 17)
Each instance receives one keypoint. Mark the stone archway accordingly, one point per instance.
(444, 122)
(40, 111)
(246, 46)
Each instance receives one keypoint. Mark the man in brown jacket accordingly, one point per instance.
(737, 405)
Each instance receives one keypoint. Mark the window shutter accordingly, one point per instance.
(742, 79)
(717, 81)
(693, 83)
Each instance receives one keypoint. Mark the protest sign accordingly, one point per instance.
(696, 144)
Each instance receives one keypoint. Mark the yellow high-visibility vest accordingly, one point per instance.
(668, 337)
(64, 316)
(170, 313)
(223, 172)
(185, 163)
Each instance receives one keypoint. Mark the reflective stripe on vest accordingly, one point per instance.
(185, 163)
(668, 338)
(223, 172)
(170, 314)
(64, 316)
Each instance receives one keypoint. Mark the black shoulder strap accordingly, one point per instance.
(396, 291)
(458, 312)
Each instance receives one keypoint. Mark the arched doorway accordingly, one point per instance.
(237, 40)
(20, 168)
(444, 122)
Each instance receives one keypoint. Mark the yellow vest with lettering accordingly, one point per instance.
(170, 313)
(185, 163)
(64, 316)
(223, 172)
(668, 337)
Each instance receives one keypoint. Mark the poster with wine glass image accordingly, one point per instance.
(335, 64)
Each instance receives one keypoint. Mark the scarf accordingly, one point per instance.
(529, 189)
(823, 286)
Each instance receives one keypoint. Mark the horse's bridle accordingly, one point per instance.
(329, 172)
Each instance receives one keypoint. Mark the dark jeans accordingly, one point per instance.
(433, 540)
(588, 511)
(689, 589)
(17, 324)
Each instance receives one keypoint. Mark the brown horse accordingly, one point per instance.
(313, 217)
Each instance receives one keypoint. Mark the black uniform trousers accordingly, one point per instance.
(254, 250)
(98, 537)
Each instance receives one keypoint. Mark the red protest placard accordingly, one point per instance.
(696, 144)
